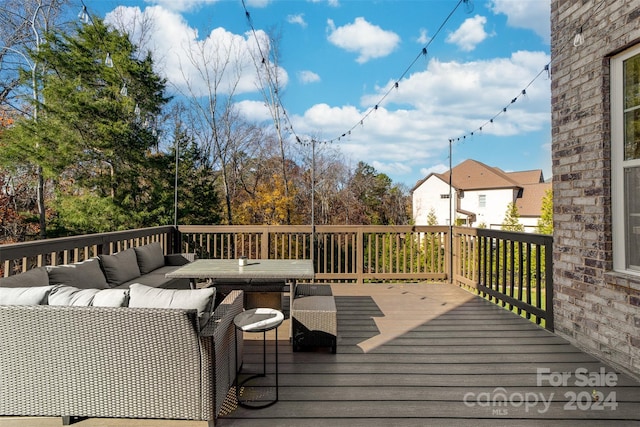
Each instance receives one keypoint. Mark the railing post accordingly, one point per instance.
(359, 256)
(452, 257)
(176, 240)
(265, 244)
(548, 284)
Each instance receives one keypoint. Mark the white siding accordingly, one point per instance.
(494, 211)
(428, 196)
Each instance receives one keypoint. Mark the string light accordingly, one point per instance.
(423, 52)
(578, 40)
(83, 16)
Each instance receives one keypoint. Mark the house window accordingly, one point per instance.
(625, 159)
(482, 200)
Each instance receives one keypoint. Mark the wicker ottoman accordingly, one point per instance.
(314, 317)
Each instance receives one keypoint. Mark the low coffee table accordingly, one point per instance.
(257, 320)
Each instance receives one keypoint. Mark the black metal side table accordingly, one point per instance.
(257, 320)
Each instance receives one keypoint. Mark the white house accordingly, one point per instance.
(479, 196)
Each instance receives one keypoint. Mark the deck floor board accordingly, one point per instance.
(409, 355)
(417, 355)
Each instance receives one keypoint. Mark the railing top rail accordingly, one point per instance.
(539, 239)
(309, 228)
(17, 250)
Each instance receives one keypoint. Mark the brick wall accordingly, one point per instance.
(595, 308)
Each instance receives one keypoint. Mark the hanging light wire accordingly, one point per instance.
(423, 52)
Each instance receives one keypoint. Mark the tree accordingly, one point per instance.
(23, 24)
(267, 61)
(545, 223)
(374, 200)
(431, 217)
(198, 201)
(94, 141)
(511, 220)
(214, 120)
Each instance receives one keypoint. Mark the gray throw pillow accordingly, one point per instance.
(36, 295)
(84, 275)
(120, 267)
(34, 277)
(148, 297)
(150, 257)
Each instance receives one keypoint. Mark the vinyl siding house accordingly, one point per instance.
(595, 101)
(480, 195)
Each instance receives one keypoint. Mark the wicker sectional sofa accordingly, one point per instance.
(130, 361)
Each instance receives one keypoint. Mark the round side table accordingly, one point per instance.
(257, 320)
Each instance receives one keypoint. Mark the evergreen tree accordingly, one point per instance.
(91, 137)
(545, 223)
(431, 217)
(512, 219)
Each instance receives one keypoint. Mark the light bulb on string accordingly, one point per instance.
(108, 62)
(83, 16)
(578, 40)
(136, 111)
(123, 90)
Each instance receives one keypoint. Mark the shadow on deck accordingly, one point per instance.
(414, 355)
(425, 355)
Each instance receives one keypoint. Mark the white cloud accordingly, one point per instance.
(439, 168)
(533, 15)
(332, 3)
(422, 38)
(186, 59)
(369, 41)
(297, 19)
(258, 3)
(469, 34)
(308, 77)
(445, 101)
(181, 5)
(253, 110)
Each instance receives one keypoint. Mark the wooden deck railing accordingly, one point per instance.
(511, 269)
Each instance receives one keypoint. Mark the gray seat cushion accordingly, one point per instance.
(157, 279)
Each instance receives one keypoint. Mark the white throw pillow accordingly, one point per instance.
(148, 297)
(111, 298)
(34, 295)
(69, 295)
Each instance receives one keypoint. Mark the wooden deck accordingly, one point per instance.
(417, 355)
(412, 355)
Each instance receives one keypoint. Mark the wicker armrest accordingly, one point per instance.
(224, 313)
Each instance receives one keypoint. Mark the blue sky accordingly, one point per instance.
(341, 58)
